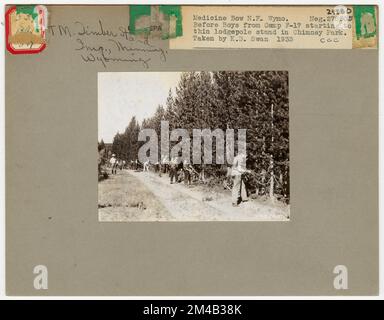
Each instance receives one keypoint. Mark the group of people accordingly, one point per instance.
(182, 170)
(116, 164)
(237, 173)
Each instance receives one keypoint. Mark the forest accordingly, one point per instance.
(254, 100)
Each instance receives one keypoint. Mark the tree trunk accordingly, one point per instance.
(272, 182)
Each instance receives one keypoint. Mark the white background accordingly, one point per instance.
(212, 2)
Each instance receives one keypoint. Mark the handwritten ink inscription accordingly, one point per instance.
(98, 44)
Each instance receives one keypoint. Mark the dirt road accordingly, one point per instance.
(144, 196)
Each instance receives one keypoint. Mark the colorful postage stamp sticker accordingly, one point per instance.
(365, 30)
(157, 21)
(25, 28)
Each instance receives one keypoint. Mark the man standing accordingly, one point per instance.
(187, 168)
(165, 164)
(146, 166)
(173, 169)
(113, 162)
(239, 193)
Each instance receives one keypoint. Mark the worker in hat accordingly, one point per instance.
(239, 192)
(113, 162)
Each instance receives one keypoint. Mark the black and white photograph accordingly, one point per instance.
(193, 146)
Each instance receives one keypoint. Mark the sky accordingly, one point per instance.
(122, 95)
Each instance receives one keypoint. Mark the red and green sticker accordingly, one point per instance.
(25, 28)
